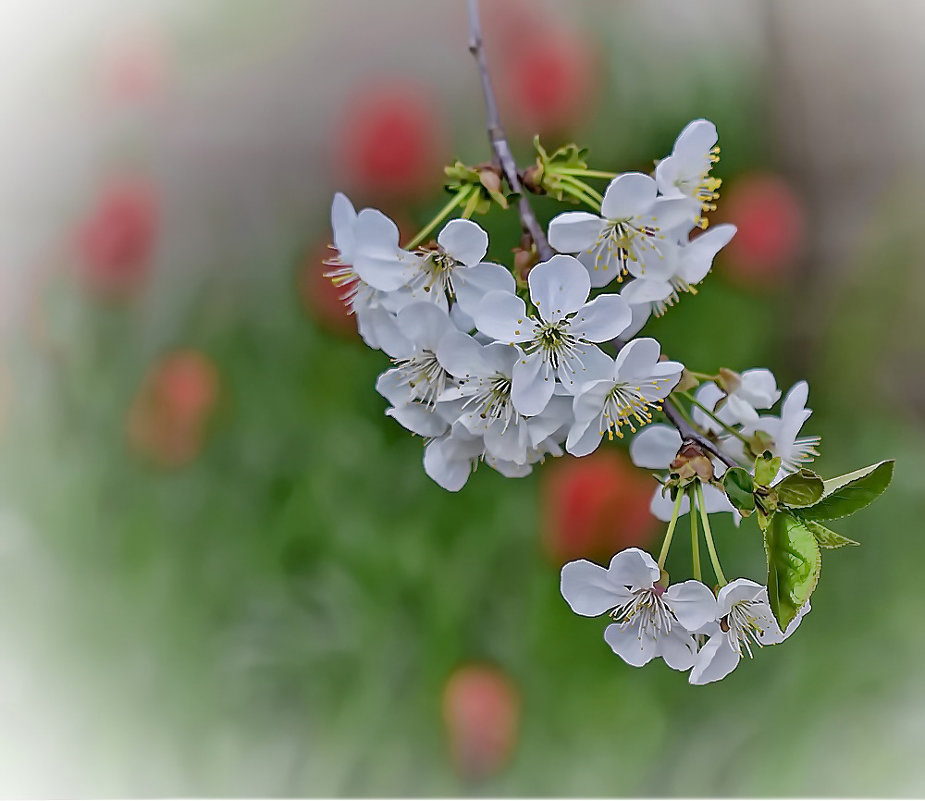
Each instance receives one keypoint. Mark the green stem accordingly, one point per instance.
(708, 535)
(458, 198)
(705, 410)
(668, 534)
(577, 191)
(588, 190)
(471, 204)
(695, 544)
(586, 173)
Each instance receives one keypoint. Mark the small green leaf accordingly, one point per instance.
(739, 489)
(764, 520)
(847, 494)
(799, 489)
(766, 469)
(826, 537)
(794, 562)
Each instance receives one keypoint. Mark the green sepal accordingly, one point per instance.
(845, 495)
(794, 561)
(826, 537)
(461, 175)
(764, 519)
(799, 489)
(544, 177)
(740, 489)
(766, 469)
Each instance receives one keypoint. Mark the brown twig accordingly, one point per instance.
(498, 139)
(687, 431)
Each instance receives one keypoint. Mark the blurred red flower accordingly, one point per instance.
(389, 143)
(481, 712)
(133, 66)
(595, 506)
(771, 230)
(547, 72)
(168, 418)
(116, 240)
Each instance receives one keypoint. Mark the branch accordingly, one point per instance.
(498, 139)
(687, 431)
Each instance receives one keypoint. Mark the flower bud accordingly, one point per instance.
(533, 179)
(692, 462)
(729, 380)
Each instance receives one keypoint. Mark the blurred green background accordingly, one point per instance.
(224, 569)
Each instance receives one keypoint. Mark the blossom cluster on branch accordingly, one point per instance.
(509, 364)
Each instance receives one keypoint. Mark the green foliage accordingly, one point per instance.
(739, 487)
(794, 562)
(486, 181)
(766, 469)
(799, 489)
(849, 493)
(826, 537)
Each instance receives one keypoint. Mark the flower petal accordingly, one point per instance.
(738, 591)
(604, 318)
(424, 324)
(377, 258)
(558, 287)
(419, 419)
(697, 258)
(716, 660)
(448, 461)
(637, 358)
(574, 231)
(692, 603)
(473, 283)
(532, 384)
(629, 644)
(343, 222)
(503, 316)
(646, 290)
(634, 568)
(628, 195)
(460, 355)
(696, 139)
(677, 648)
(655, 447)
(589, 590)
(464, 240)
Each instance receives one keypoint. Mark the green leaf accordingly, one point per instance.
(846, 494)
(766, 469)
(799, 489)
(794, 561)
(739, 489)
(826, 537)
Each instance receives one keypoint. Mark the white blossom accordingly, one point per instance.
(633, 385)
(686, 172)
(649, 620)
(630, 233)
(793, 450)
(744, 619)
(557, 342)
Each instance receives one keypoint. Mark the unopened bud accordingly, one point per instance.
(533, 179)
(490, 178)
(692, 462)
(687, 382)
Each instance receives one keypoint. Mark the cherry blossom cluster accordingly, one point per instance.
(508, 365)
(489, 369)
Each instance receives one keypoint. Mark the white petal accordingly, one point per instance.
(473, 283)
(668, 213)
(343, 221)
(460, 355)
(677, 648)
(379, 327)
(742, 589)
(574, 231)
(589, 590)
(759, 388)
(448, 463)
(693, 604)
(637, 358)
(377, 259)
(507, 442)
(716, 660)
(662, 506)
(641, 313)
(464, 240)
(697, 258)
(628, 195)
(655, 447)
(558, 287)
(630, 646)
(634, 568)
(532, 384)
(646, 290)
(419, 419)
(603, 319)
(392, 386)
(601, 271)
(584, 438)
(503, 316)
(424, 324)
(696, 139)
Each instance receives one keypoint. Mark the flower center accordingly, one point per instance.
(623, 241)
(491, 398)
(424, 374)
(626, 404)
(556, 343)
(437, 268)
(647, 612)
(741, 627)
(804, 450)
